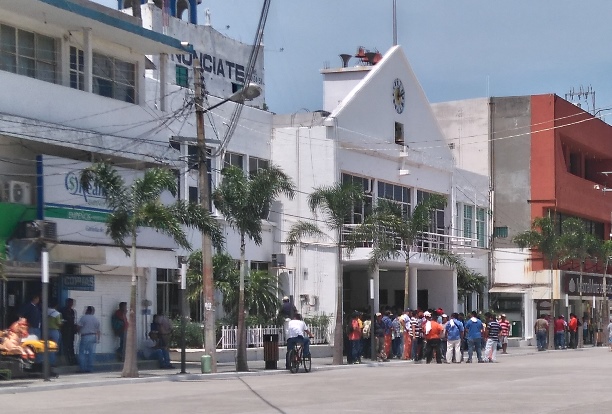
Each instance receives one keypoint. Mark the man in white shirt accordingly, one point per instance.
(296, 331)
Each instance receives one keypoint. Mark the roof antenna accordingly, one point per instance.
(394, 22)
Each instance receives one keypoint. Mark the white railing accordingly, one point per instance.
(427, 242)
(255, 335)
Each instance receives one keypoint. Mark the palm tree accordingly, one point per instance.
(138, 205)
(468, 281)
(261, 287)
(336, 203)
(577, 244)
(543, 237)
(394, 234)
(244, 202)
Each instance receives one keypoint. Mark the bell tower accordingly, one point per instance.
(176, 8)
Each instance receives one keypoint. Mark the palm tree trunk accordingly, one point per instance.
(407, 280)
(338, 331)
(130, 363)
(241, 345)
(551, 328)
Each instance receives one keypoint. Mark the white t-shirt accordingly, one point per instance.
(610, 330)
(296, 328)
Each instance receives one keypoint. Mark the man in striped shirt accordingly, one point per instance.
(504, 324)
(493, 330)
(417, 336)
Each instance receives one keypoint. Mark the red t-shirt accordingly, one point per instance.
(559, 325)
(505, 327)
(573, 324)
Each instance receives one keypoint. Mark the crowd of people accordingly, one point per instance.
(424, 335)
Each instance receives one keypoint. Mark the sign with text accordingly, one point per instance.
(86, 283)
(81, 215)
(591, 285)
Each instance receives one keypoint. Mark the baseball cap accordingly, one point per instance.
(378, 314)
(426, 313)
(444, 315)
(503, 315)
(285, 297)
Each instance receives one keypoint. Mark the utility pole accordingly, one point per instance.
(210, 340)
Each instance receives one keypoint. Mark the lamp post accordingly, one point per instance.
(249, 92)
(183, 315)
(605, 314)
(45, 311)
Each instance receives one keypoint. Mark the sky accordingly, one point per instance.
(457, 49)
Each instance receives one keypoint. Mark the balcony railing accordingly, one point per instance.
(426, 242)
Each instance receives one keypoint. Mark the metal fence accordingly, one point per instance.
(256, 333)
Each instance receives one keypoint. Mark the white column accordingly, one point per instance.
(412, 287)
(455, 291)
(529, 314)
(375, 274)
(87, 60)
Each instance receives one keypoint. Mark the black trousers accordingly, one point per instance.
(433, 345)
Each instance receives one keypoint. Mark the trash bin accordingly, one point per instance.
(270, 349)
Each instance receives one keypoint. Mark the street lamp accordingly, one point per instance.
(249, 92)
(606, 307)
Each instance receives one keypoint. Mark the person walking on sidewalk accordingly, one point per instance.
(454, 334)
(493, 330)
(504, 333)
(572, 326)
(354, 337)
(432, 330)
(89, 329)
(474, 328)
(541, 330)
(560, 327)
(379, 334)
(69, 331)
(119, 324)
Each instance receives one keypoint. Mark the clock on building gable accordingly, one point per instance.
(399, 96)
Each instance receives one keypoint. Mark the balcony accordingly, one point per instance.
(426, 242)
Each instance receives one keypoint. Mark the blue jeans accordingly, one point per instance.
(87, 351)
(291, 344)
(541, 340)
(355, 350)
(162, 356)
(559, 340)
(416, 353)
(475, 343)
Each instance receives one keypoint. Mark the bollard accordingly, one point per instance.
(206, 364)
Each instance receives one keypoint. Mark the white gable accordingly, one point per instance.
(367, 115)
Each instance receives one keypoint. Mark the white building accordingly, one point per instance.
(376, 129)
(82, 83)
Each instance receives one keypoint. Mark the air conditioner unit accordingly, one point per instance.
(47, 229)
(279, 260)
(19, 192)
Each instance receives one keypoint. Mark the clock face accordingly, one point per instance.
(399, 96)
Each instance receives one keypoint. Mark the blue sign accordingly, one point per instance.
(79, 282)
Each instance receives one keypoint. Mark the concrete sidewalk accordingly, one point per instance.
(193, 369)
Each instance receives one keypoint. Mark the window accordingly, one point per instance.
(437, 216)
(182, 76)
(236, 87)
(480, 227)
(396, 193)
(236, 160)
(114, 78)
(193, 195)
(167, 292)
(256, 164)
(261, 266)
(363, 209)
(399, 133)
(468, 218)
(28, 53)
(77, 69)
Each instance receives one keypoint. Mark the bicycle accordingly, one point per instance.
(297, 358)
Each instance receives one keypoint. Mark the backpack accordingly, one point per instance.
(117, 324)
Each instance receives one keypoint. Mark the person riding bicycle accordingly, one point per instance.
(296, 331)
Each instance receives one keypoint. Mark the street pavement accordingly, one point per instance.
(569, 381)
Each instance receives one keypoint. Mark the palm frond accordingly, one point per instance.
(335, 202)
(104, 180)
(300, 230)
(195, 216)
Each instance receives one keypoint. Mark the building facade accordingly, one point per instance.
(545, 157)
